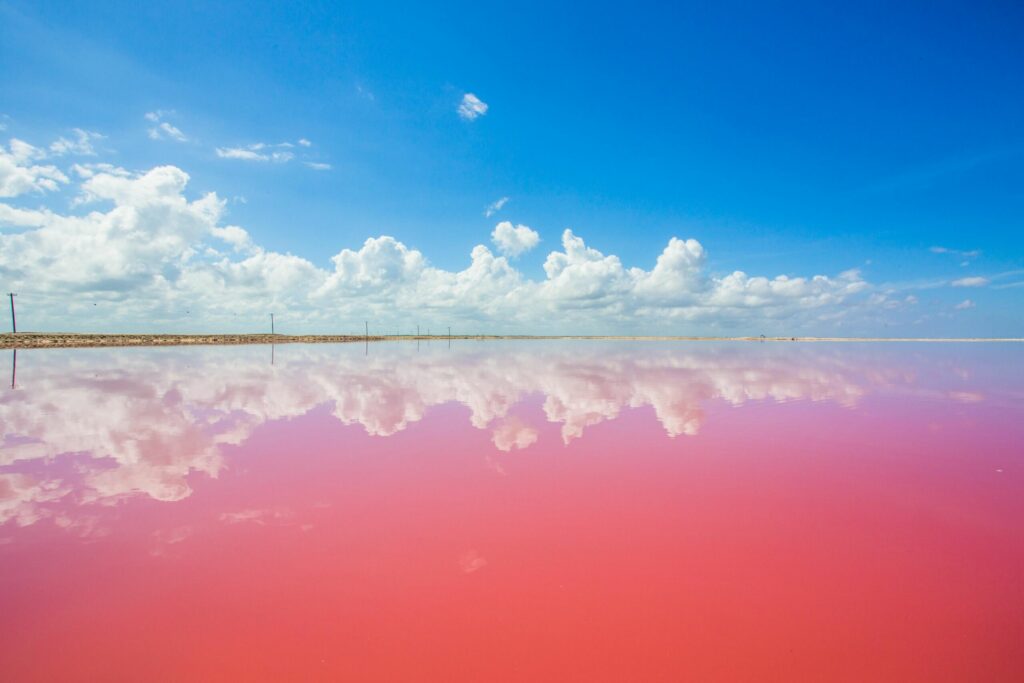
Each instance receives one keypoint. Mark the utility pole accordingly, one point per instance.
(14, 321)
(366, 336)
(271, 323)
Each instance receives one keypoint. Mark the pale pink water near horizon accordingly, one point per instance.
(522, 511)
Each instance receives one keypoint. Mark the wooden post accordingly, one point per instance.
(14, 321)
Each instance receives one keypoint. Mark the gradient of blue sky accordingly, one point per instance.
(793, 139)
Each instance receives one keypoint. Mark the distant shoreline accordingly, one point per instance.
(53, 340)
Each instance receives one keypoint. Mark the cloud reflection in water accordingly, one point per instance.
(142, 421)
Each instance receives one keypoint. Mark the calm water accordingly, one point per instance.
(514, 511)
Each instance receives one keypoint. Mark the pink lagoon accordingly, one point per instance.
(577, 511)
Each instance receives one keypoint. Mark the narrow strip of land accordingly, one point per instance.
(47, 340)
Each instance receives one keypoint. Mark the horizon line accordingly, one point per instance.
(43, 340)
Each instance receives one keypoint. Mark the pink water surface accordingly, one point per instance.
(514, 511)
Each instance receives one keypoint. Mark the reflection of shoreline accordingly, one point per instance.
(46, 340)
(142, 421)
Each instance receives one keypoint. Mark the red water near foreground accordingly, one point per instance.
(514, 512)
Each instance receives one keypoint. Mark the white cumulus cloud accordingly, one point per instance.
(471, 107)
(259, 151)
(19, 174)
(81, 145)
(162, 129)
(495, 207)
(240, 153)
(514, 240)
(971, 282)
(280, 153)
(165, 257)
(972, 253)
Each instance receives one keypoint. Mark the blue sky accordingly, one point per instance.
(795, 140)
